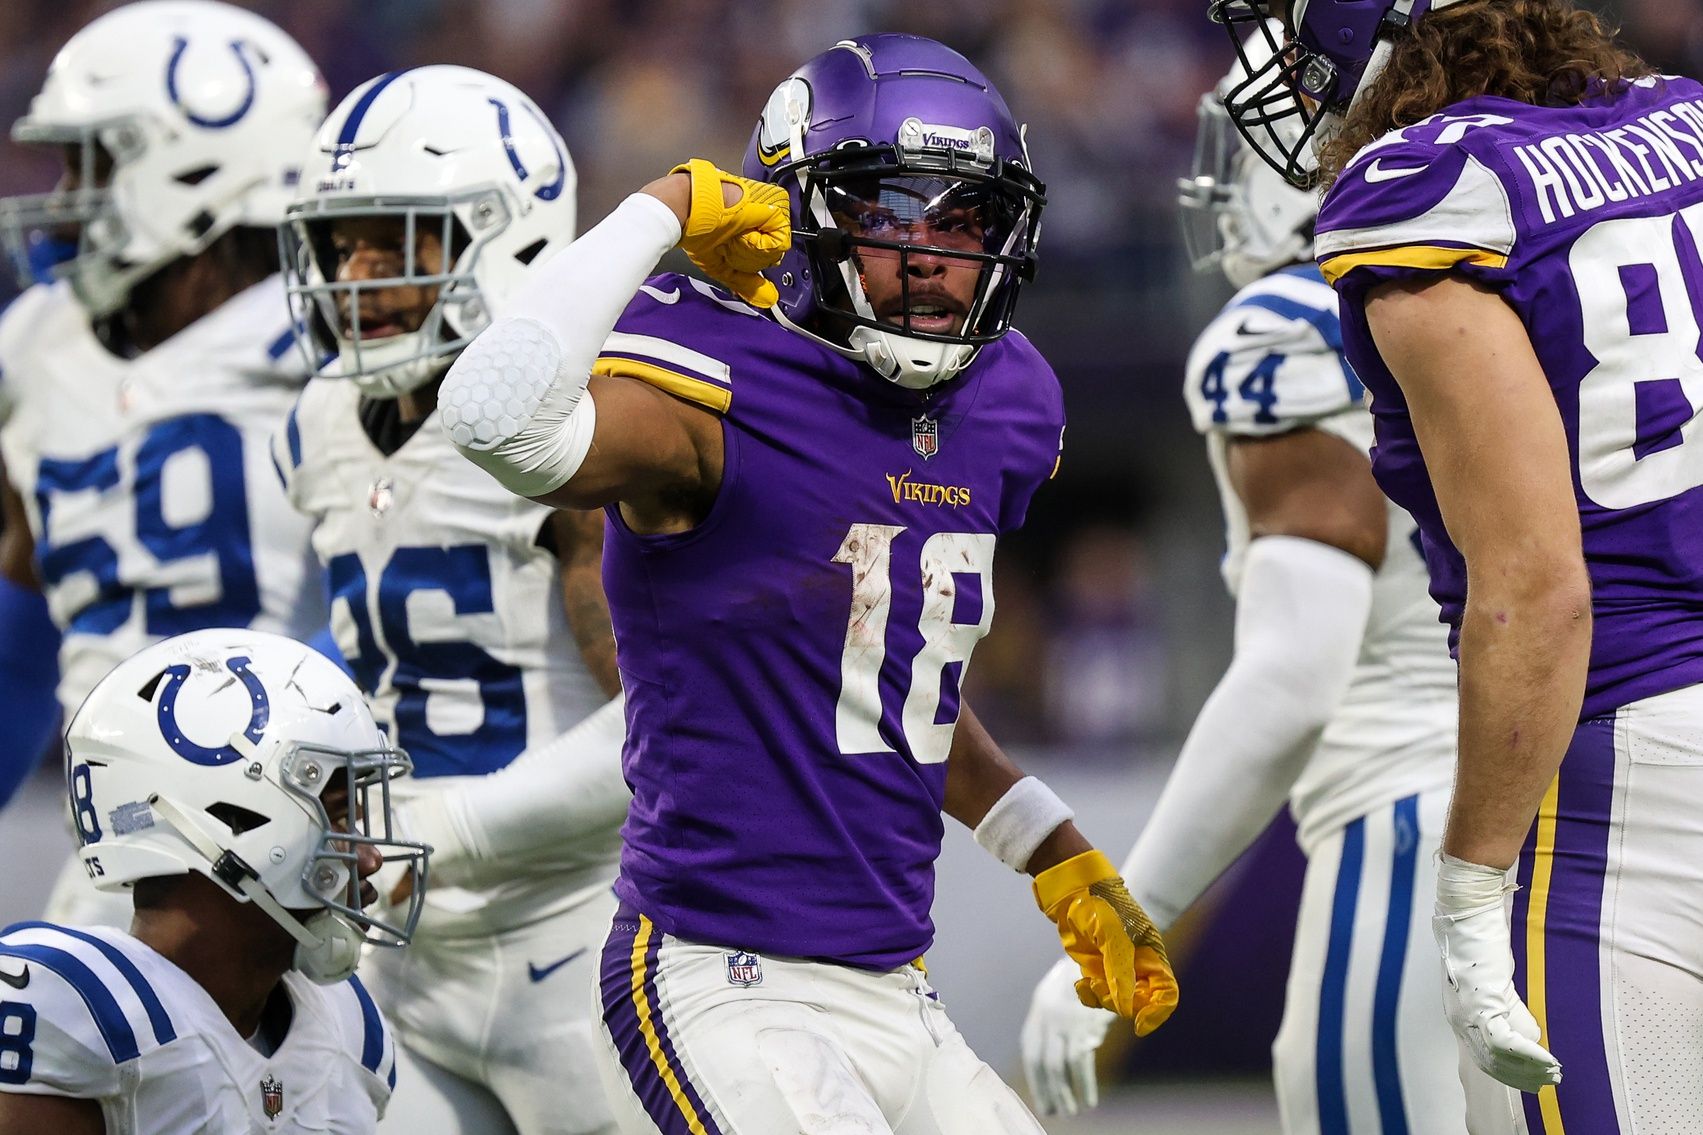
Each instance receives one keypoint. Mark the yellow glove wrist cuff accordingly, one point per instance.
(1075, 874)
(708, 204)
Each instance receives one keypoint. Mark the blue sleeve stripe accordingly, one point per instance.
(391, 1079)
(372, 1038)
(164, 1032)
(293, 435)
(1324, 320)
(103, 1007)
(280, 346)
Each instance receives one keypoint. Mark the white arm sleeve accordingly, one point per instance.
(1299, 620)
(514, 402)
(551, 792)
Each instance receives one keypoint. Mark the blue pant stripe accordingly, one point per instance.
(1386, 999)
(1333, 990)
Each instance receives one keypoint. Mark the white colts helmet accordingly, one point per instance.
(443, 150)
(201, 108)
(210, 752)
(1239, 214)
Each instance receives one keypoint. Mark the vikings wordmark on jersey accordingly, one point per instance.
(793, 664)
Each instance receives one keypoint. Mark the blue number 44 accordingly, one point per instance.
(1258, 389)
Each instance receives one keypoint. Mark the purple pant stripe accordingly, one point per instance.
(1572, 921)
(661, 1026)
(627, 1029)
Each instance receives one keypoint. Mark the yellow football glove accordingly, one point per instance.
(733, 243)
(1107, 934)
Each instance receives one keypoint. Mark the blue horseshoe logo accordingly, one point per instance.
(554, 189)
(181, 45)
(166, 715)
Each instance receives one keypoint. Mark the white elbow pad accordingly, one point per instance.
(509, 405)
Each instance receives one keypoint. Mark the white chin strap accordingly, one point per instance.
(327, 948)
(390, 367)
(915, 364)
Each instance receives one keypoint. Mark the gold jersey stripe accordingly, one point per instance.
(685, 386)
(1425, 256)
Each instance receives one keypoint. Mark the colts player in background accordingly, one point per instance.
(1340, 658)
(792, 631)
(1512, 225)
(474, 620)
(232, 787)
(139, 389)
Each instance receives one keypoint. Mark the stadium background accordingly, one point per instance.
(1113, 623)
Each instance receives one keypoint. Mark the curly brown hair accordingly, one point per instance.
(1543, 52)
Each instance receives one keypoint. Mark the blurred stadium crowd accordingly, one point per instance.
(1113, 622)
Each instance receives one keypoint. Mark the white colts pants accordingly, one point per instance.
(704, 1040)
(1364, 1048)
(506, 1014)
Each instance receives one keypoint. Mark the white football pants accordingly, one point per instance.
(1608, 929)
(1364, 1048)
(701, 1040)
(508, 1014)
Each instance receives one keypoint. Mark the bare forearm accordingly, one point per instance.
(1523, 664)
(978, 773)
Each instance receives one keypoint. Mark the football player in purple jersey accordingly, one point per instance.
(1511, 221)
(804, 481)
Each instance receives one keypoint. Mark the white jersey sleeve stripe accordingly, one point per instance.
(114, 1028)
(158, 1019)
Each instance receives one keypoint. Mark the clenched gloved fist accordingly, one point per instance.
(1111, 939)
(733, 243)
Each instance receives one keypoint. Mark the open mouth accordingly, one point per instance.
(375, 327)
(930, 316)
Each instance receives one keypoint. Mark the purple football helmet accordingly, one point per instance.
(1296, 93)
(894, 146)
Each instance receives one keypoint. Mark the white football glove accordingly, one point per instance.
(1471, 927)
(1060, 1037)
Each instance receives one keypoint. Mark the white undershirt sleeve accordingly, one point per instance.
(550, 793)
(514, 402)
(1300, 616)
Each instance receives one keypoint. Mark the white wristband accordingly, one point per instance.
(1020, 821)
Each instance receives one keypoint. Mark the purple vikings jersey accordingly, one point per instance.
(1588, 221)
(792, 665)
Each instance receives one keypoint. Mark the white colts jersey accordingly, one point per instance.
(1270, 363)
(95, 1014)
(148, 482)
(449, 611)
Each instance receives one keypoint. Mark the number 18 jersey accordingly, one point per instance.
(1588, 221)
(792, 664)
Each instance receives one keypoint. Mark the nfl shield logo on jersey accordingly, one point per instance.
(381, 496)
(744, 969)
(272, 1096)
(925, 436)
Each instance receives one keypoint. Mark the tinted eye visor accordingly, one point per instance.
(945, 213)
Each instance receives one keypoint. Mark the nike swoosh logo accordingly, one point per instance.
(1248, 328)
(1376, 172)
(539, 973)
(659, 295)
(16, 980)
